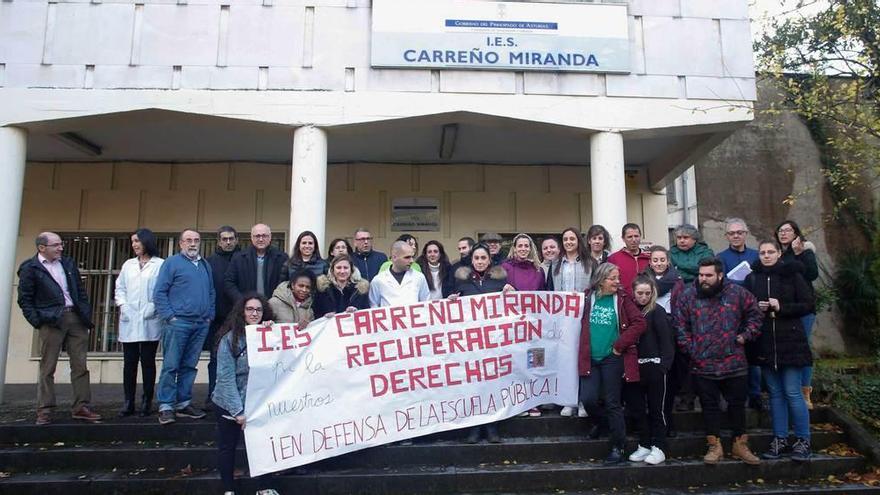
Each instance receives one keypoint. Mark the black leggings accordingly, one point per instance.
(228, 436)
(145, 353)
(644, 402)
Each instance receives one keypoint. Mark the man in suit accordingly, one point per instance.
(54, 302)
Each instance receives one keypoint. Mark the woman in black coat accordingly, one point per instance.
(480, 278)
(341, 290)
(782, 350)
(307, 255)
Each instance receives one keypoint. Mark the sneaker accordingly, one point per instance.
(189, 412)
(166, 417)
(566, 411)
(655, 457)
(778, 448)
(534, 412)
(582, 413)
(800, 451)
(44, 417)
(640, 454)
(524, 414)
(614, 457)
(86, 414)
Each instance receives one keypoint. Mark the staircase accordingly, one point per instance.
(548, 454)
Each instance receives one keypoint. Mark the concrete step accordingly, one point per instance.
(427, 452)
(480, 478)
(67, 430)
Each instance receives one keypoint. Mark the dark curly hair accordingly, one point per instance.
(235, 320)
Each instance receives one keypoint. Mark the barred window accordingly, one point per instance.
(99, 257)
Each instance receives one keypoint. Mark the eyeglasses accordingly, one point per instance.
(249, 309)
(364, 239)
(261, 236)
(786, 230)
(738, 232)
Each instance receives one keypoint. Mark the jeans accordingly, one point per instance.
(228, 436)
(734, 390)
(181, 346)
(807, 371)
(605, 381)
(644, 402)
(787, 401)
(754, 381)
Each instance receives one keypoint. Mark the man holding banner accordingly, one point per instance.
(386, 374)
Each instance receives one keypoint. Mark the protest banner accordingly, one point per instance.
(376, 376)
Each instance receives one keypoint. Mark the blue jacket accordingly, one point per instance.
(369, 263)
(184, 291)
(230, 392)
(731, 259)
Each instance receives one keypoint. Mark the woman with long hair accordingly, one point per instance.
(523, 266)
(607, 354)
(139, 326)
(338, 246)
(341, 289)
(307, 255)
(599, 241)
(292, 300)
(437, 269)
(572, 272)
(549, 254)
(782, 349)
(656, 353)
(232, 377)
(796, 248)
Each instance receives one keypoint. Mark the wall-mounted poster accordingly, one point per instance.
(415, 215)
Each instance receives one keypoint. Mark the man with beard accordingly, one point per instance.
(227, 247)
(714, 318)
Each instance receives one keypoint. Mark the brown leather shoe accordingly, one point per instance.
(86, 414)
(741, 451)
(44, 417)
(715, 452)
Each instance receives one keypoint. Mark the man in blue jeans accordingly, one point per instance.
(184, 299)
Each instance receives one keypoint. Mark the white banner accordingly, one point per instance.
(363, 379)
(500, 35)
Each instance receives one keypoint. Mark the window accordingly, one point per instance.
(99, 258)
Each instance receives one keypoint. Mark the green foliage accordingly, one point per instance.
(857, 294)
(856, 393)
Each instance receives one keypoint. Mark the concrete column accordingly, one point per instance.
(13, 153)
(308, 188)
(608, 186)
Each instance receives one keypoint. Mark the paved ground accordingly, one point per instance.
(18, 401)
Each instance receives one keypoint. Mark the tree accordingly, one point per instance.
(825, 56)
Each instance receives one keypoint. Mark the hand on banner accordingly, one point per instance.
(329, 315)
(350, 309)
(453, 297)
(241, 420)
(507, 288)
(267, 323)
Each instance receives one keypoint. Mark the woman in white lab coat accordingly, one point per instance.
(139, 326)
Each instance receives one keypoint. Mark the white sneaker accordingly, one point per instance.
(640, 454)
(566, 411)
(582, 413)
(655, 457)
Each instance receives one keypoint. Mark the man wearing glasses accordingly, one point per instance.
(54, 302)
(227, 247)
(365, 259)
(184, 299)
(259, 268)
(736, 232)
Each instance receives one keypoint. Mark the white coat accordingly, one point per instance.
(138, 321)
(386, 291)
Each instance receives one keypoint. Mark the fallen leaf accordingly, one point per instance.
(188, 470)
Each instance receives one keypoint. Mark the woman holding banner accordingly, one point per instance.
(481, 278)
(341, 290)
(610, 330)
(232, 377)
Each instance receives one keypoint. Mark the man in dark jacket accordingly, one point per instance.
(366, 260)
(54, 302)
(493, 240)
(260, 268)
(227, 247)
(465, 244)
(714, 318)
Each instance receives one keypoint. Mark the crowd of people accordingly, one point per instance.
(661, 326)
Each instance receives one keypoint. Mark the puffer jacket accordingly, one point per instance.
(523, 275)
(315, 264)
(286, 310)
(707, 328)
(330, 299)
(687, 262)
(470, 283)
(631, 325)
(782, 341)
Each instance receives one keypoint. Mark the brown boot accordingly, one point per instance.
(808, 391)
(715, 452)
(740, 450)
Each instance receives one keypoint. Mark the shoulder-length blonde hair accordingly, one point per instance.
(644, 279)
(533, 250)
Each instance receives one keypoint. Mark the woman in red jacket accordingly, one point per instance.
(610, 330)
